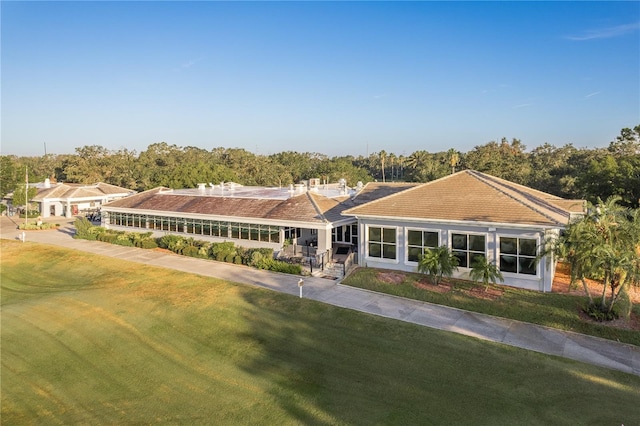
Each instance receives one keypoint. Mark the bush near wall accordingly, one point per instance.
(36, 227)
(260, 258)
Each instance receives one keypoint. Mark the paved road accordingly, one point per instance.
(601, 352)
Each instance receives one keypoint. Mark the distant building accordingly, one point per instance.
(71, 199)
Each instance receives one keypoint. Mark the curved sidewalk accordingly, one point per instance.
(593, 350)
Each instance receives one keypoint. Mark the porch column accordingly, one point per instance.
(68, 213)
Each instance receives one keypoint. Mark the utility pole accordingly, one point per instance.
(26, 195)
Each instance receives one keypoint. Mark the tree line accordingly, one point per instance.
(565, 171)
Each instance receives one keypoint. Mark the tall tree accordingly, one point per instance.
(8, 174)
(454, 159)
(383, 159)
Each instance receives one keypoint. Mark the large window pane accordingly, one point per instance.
(389, 235)
(431, 239)
(527, 247)
(375, 249)
(414, 254)
(459, 241)
(235, 230)
(389, 251)
(414, 238)
(244, 232)
(526, 265)
(508, 245)
(254, 233)
(508, 263)
(476, 243)
(375, 234)
(462, 258)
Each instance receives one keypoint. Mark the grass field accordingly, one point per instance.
(94, 340)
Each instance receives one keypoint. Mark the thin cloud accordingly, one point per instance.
(192, 62)
(609, 32)
(522, 106)
(592, 94)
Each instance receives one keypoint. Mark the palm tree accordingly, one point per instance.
(437, 262)
(603, 245)
(392, 160)
(454, 159)
(383, 158)
(484, 271)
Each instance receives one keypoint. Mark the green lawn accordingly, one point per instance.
(549, 309)
(94, 340)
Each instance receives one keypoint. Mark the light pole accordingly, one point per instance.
(26, 197)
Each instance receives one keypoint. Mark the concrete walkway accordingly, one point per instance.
(593, 350)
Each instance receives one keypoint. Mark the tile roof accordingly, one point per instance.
(472, 196)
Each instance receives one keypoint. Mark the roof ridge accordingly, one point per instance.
(499, 184)
(413, 188)
(316, 206)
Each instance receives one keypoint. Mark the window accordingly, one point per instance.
(354, 235)
(382, 242)
(518, 255)
(467, 247)
(417, 241)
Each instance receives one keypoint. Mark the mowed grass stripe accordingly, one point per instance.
(126, 343)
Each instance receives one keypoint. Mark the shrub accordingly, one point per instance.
(221, 251)
(170, 241)
(237, 259)
(83, 226)
(123, 239)
(287, 268)
(148, 243)
(229, 258)
(191, 251)
(256, 256)
(107, 237)
(600, 313)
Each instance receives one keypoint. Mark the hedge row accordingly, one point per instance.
(261, 258)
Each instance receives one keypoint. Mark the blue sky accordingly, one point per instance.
(339, 78)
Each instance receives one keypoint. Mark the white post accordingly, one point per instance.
(300, 284)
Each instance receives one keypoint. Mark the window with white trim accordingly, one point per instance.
(382, 242)
(467, 247)
(518, 255)
(418, 240)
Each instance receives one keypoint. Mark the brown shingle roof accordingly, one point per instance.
(310, 206)
(76, 190)
(297, 208)
(471, 196)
